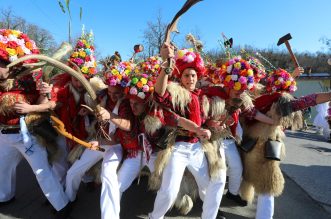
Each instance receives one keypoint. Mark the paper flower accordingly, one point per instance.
(119, 74)
(83, 55)
(280, 81)
(14, 44)
(237, 74)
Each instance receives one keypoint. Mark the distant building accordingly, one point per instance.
(309, 83)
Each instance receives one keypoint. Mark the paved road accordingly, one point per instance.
(304, 167)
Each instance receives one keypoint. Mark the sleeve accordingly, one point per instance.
(124, 110)
(304, 102)
(249, 113)
(170, 118)
(164, 100)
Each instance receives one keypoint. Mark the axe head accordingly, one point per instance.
(282, 40)
(228, 43)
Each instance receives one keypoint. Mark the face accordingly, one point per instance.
(115, 93)
(235, 93)
(189, 79)
(4, 71)
(137, 107)
(77, 85)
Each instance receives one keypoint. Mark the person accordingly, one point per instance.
(306, 116)
(78, 121)
(117, 114)
(262, 173)
(18, 99)
(320, 122)
(187, 151)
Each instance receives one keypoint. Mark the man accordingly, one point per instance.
(18, 96)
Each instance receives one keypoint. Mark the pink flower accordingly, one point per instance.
(242, 80)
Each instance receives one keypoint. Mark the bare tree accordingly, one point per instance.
(42, 37)
(154, 36)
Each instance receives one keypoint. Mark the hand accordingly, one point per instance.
(297, 72)
(103, 114)
(23, 107)
(45, 88)
(167, 51)
(94, 145)
(204, 133)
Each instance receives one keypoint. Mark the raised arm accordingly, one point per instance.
(167, 51)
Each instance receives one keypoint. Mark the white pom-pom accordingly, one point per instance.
(141, 95)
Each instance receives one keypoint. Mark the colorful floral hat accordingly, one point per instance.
(15, 44)
(151, 66)
(213, 73)
(280, 81)
(237, 74)
(83, 55)
(140, 86)
(119, 75)
(258, 68)
(187, 58)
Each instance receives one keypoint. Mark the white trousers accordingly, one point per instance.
(126, 174)
(188, 155)
(78, 169)
(60, 165)
(265, 207)
(110, 192)
(235, 168)
(12, 150)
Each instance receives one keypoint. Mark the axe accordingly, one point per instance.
(172, 27)
(285, 39)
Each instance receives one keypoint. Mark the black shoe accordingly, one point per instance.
(7, 202)
(64, 213)
(236, 198)
(220, 215)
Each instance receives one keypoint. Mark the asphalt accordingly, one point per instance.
(306, 195)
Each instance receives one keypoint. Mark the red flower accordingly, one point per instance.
(12, 44)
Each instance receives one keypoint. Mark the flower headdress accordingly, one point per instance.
(213, 73)
(140, 86)
(237, 74)
(280, 81)
(151, 65)
(83, 55)
(258, 68)
(15, 44)
(187, 58)
(119, 74)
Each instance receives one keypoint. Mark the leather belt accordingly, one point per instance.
(10, 131)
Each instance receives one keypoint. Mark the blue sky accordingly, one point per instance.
(118, 25)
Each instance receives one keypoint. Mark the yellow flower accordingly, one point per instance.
(180, 54)
(250, 72)
(288, 83)
(15, 33)
(237, 86)
(228, 78)
(237, 65)
(75, 54)
(143, 81)
(114, 71)
(82, 54)
(190, 50)
(11, 52)
(277, 82)
(84, 69)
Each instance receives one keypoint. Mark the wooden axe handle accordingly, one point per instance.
(294, 59)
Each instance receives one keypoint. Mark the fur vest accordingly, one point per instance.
(262, 175)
